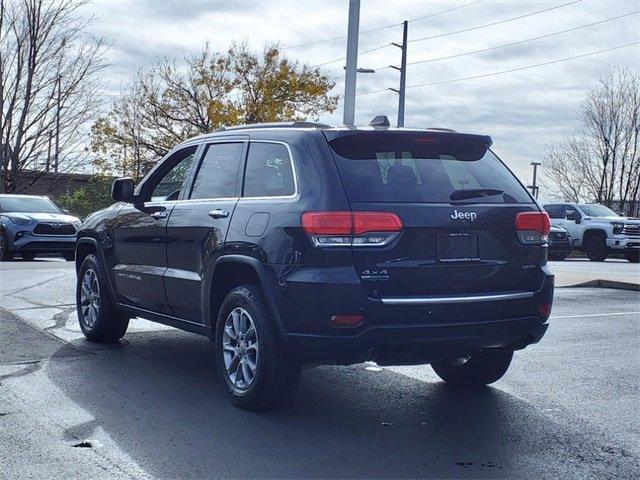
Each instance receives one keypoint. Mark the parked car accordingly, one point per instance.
(598, 230)
(32, 225)
(295, 243)
(560, 243)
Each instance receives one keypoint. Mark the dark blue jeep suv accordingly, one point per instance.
(295, 243)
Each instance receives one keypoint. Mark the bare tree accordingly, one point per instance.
(48, 87)
(600, 161)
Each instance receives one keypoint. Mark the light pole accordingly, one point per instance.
(352, 63)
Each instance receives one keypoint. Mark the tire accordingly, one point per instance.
(596, 248)
(481, 369)
(99, 319)
(69, 257)
(633, 257)
(275, 374)
(558, 257)
(28, 256)
(5, 254)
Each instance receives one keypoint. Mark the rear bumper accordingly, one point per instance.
(418, 344)
(410, 333)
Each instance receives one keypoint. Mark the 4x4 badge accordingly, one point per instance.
(456, 215)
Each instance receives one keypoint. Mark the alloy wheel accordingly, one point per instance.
(90, 298)
(240, 348)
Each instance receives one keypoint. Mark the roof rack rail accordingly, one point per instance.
(295, 124)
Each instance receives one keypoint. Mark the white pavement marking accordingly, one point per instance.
(595, 315)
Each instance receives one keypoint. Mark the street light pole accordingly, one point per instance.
(352, 63)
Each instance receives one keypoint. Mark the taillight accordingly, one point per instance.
(533, 227)
(335, 229)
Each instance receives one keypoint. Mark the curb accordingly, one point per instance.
(601, 283)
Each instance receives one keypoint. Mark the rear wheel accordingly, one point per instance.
(28, 256)
(253, 364)
(633, 256)
(5, 254)
(596, 248)
(558, 257)
(99, 320)
(480, 369)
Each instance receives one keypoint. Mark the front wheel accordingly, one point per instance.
(633, 256)
(5, 254)
(483, 368)
(596, 248)
(256, 369)
(99, 320)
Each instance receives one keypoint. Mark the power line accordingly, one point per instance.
(359, 53)
(510, 70)
(477, 27)
(520, 41)
(341, 37)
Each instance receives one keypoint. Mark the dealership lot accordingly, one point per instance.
(152, 407)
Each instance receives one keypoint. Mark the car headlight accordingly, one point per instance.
(20, 221)
(617, 227)
(77, 223)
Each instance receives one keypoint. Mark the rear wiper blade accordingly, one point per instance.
(465, 193)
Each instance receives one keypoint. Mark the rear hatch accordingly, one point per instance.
(458, 204)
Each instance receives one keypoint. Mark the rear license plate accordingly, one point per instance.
(458, 247)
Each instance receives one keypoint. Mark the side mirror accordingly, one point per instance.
(578, 221)
(122, 190)
(65, 211)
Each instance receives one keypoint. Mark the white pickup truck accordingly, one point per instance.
(597, 230)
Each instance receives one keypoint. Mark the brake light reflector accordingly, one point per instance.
(533, 227)
(341, 228)
(351, 321)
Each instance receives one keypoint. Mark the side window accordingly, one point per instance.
(169, 186)
(218, 173)
(268, 172)
(554, 211)
(571, 213)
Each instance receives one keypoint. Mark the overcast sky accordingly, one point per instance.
(523, 111)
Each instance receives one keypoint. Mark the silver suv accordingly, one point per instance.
(31, 224)
(597, 230)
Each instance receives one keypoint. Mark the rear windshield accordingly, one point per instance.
(397, 167)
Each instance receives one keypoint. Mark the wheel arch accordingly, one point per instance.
(229, 271)
(590, 232)
(86, 246)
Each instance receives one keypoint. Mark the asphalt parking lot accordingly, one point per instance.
(152, 407)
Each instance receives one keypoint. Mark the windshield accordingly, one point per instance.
(595, 210)
(412, 169)
(28, 205)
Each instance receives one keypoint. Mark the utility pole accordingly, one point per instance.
(352, 63)
(48, 164)
(403, 73)
(534, 187)
(56, 154)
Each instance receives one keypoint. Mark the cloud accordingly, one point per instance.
(523, 111)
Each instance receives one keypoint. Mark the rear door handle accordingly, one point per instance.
(218, 213)
(160, 214)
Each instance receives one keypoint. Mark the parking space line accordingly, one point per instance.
(595, 315)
